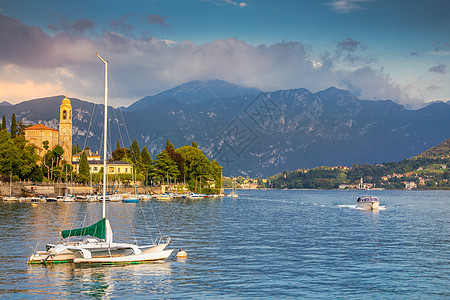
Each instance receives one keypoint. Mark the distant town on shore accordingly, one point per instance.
(427, 171)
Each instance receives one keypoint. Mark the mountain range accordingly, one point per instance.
(254, 133)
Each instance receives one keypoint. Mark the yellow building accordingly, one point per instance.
(91, 156)
(116, 167)
(40, 134)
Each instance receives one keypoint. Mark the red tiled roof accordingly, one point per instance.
(39, 127)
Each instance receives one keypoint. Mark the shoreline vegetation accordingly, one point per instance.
(189, 166)
(186, 166)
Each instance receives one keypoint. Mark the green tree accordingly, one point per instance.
(4, 123)
(165, 166)
(194, 144)
(13, 126)
(54, 160)
(45, 144)
(196, 165)
(120, 154)
(118, 145)
(146, 160)
(21, 127)
(84, 171)
(18, 157)
(76, 149)
(177, 158)
(147, 164)
(217, 174)
(169, 145)
(135, 155)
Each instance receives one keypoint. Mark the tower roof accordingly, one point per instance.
(66, 100)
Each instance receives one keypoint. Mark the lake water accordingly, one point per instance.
(274, 244)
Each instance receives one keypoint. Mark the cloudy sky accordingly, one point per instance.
(377, 49)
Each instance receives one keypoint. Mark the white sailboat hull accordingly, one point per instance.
(143, 257)
(42, 257)
(108, 253)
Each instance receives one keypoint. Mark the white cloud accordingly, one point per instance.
(440, 53)
(41, 65)
(219, 2)
(346, 6)
(170, 42)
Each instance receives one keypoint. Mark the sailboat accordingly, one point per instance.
(96, 244)
(233, 191)
(132, 198)
(11, 197)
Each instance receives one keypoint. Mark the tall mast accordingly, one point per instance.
(104, 134)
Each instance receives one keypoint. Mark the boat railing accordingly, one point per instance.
(162, 240)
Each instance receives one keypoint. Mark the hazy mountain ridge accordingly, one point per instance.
(263, 133)
(194, 92)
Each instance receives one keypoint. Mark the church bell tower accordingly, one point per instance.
(65, 129)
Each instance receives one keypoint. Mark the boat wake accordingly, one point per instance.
(353, 206)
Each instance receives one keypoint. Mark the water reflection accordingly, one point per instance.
(271, 244)
(98, 281)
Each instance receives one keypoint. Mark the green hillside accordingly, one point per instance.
(429, 170)
(440, 151)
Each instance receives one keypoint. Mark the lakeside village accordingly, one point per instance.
(36, 160)
(39, 160)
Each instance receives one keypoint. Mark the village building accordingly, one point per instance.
(91, 156)
(45, 137)
(409, 185)
(42, 137)
(115, 167)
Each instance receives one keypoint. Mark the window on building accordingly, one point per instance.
(95, 168)
(126, 170)
(118, 170)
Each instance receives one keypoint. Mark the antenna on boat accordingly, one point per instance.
(104, 135)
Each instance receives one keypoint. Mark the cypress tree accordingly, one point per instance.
(13, 126)
(118, 145)
(3, 122)
(136, 155)
(146, 157)
(84, 166)
(169, 145)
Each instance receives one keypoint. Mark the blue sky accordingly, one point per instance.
(377, 49)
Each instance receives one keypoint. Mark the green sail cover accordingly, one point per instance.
(97, 230)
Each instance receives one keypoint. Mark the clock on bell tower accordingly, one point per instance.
(65, 129)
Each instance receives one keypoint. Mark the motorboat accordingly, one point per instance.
(91, 198)
(116, 198)
(130, 199)
(163, 197)
(367, 203)
(195, 196)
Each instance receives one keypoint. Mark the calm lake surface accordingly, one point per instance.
(275, 244)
